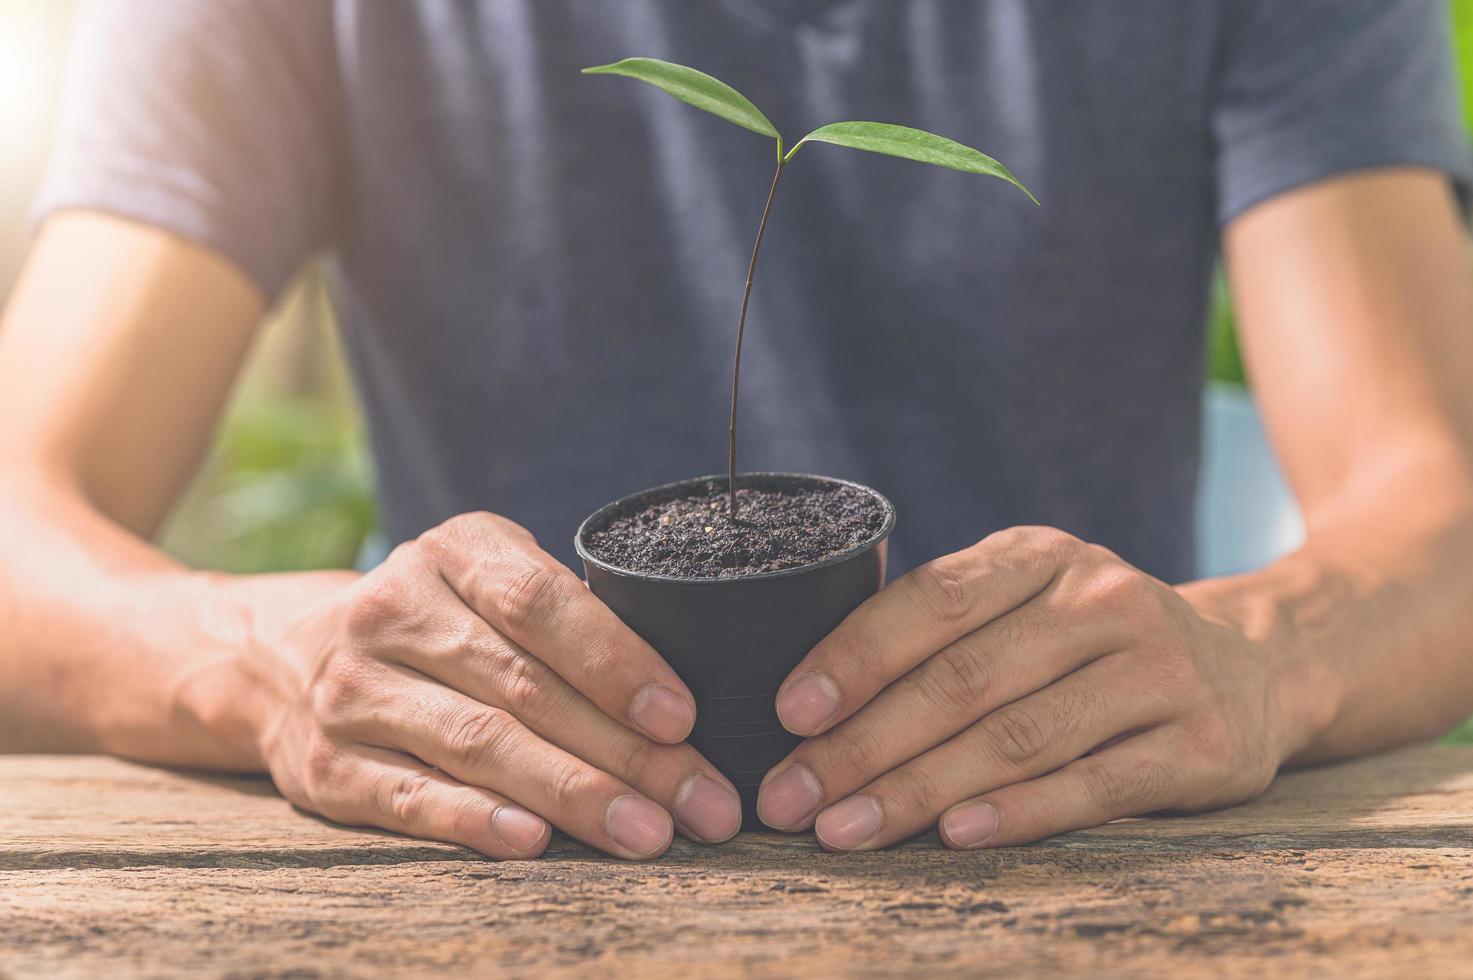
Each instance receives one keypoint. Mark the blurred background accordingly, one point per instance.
(288, 483)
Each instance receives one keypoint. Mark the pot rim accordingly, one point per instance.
(884, 532)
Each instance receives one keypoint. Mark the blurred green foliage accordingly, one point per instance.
(1224, 361)
(288, 489)
(288, 483)
(1462, 20)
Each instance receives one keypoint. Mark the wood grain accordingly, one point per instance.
(110, 868)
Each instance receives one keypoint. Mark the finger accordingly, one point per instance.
(913, 617)
(380, 788)
(1019, 741)
(474, 659)
(539, 604)
(485, 746)
(1010, 657)
(1126, 780)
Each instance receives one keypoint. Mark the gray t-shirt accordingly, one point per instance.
(540, 271)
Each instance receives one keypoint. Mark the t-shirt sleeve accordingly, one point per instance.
(1312, 88)
(216, 120)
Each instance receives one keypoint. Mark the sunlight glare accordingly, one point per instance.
(29, 41)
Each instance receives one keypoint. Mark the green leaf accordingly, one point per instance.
(693, 88)
(912, 144)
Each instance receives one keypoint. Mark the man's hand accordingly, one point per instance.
(1029, 685)
(1032, 683)
(472, 690)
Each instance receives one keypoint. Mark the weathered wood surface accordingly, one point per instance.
(109, 868)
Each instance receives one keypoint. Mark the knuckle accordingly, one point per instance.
(459, 531)
(1016, 735)
(1077, 708)
(379, 602)
(569, 786)
(1057, 542)
(953, 682)
(523, 684)
(1009, 539)
(321, 767)
(854, 749)
(1124, 790)
(919, 790)
(1119, 587)
(437, 539)
(1028, 546)
(476, 737)
(609, 659)
(944, 587)
(1050, 543)
(404, 554)
(1028, 634)
(454, 637)
(339, 691)
(644, 762)
(514, 530)
(1100, 555)
(526, 594)
(468, 820)
(467, 524)
(454, 534)
(406, 803)
(1136, 600)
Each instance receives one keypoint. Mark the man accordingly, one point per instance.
(537, 281)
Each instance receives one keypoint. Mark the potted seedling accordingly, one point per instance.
(734, 579)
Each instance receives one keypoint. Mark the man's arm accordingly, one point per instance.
(117, 351)
(1035, 683)
(469, 689)
(1355, 301)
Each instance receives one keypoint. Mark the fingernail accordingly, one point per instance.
(518, 829)
(789, 798)
(970, 825)
(807, 703)
(850, 823)
(707, 810)
(638, 826)
(662, 713)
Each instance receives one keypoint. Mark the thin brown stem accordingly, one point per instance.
(736, 370)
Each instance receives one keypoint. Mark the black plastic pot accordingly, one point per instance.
(734, 640)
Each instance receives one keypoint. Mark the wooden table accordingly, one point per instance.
(110, 868)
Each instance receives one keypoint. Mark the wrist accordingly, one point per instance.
(1308, 693)
(232, 694)
(1271, 614)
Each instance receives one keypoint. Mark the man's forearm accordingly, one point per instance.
(107, 645)
(1370, 623)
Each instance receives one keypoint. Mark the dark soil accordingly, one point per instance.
(778, 526)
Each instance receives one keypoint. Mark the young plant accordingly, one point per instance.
(716, 97)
